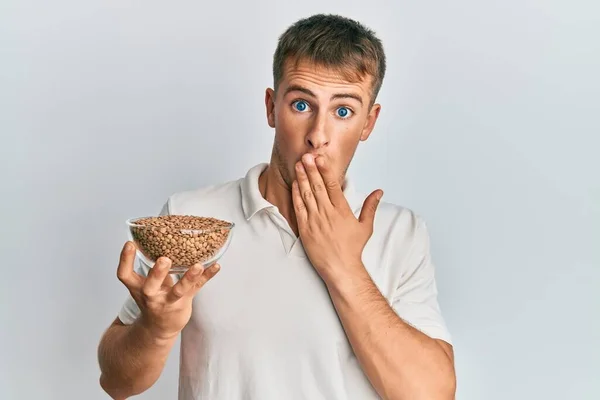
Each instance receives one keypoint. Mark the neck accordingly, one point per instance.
(274, 189)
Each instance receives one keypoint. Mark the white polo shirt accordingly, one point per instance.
(265, 327)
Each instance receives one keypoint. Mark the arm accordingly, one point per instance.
(131, 359)
(400, 361)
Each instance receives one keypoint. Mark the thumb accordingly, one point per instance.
(367, 214)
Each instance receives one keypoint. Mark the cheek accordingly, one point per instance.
(347, 148)
(290, 131)
(287, 147)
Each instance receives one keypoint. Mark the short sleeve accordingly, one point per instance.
(415, 298)
(130, 311)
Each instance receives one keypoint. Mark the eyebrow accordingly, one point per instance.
(298, 88)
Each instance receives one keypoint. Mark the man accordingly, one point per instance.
(323, 294)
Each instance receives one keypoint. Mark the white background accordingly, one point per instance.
(489, 130)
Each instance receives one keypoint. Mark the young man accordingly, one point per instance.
(324, 293)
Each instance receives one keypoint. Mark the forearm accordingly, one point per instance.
(400, 361)
(131, 359)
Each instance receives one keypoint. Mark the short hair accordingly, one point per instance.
(335, 42)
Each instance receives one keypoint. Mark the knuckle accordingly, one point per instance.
(178, 291)
(121, 275)
(331, 184)
(318, 187)
(307, 195)
(303, 230)
(146, 293)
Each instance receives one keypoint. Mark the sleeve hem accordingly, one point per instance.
(126, 316)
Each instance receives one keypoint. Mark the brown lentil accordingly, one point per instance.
(185, 239)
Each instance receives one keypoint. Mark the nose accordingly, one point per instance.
(317, 136)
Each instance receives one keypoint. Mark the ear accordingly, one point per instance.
(270, 106)
(370, 123)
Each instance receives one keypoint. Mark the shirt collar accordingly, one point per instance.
(253, 201)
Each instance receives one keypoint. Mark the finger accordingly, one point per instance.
(156, 276)
(369, 208)
(316, 182)
(331, 182)
(125, 271)
(168, 282)
(208, 274)
(299, 207)
(305, 190)
(187, 283)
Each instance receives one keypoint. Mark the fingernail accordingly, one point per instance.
(164, 262)
(128, 246)
(379, 195)
(196, 268)
(309, 158)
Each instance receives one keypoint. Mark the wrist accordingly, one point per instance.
(150, 333)
(349, 279)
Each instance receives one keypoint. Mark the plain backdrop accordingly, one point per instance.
(489, 130)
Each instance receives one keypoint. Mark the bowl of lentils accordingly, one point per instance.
(185, 239)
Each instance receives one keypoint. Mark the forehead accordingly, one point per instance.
(324, 78)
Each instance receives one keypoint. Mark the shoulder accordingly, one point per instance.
(400, 225)
(398, 217)
(217, 199)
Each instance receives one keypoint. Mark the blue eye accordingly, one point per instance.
(343, 112)
(300, 105)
